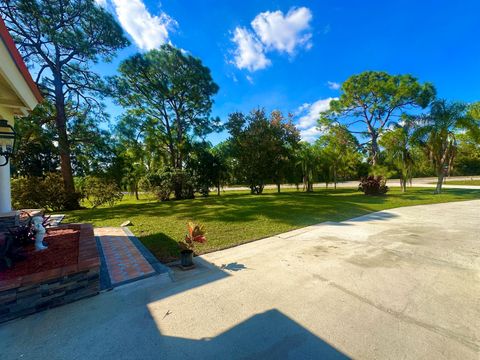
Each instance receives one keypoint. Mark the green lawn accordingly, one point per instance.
(238, 217)
(464, 182)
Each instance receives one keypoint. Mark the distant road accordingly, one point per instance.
(417, 182)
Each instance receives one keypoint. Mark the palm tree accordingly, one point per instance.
(398, 143)
(437, 134)
(308, 161)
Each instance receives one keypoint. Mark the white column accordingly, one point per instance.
(5, 192)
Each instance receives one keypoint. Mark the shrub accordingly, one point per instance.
(99, 191)
(373, 185)
(159, 183)
(40, 192)
(166, 181)
(183, 185)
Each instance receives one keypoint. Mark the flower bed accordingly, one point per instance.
(67, 271)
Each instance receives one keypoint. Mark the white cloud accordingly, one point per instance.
(272, 31)
(333, 85)
(284, 33)
(147, 30)
(309, 116)
(249, 53)
(310, 134)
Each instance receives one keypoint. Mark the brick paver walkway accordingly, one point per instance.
(123, 259)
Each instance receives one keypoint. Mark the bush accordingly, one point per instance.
(167, 181)
(160, 184)
(373, 185)
(40, 192)
(100, 191)
(183, 185)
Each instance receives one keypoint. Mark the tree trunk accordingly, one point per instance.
(309, 186)
(374, 149)
(438, 189)
(278, 188)
(136, 192)
(218, 188)
(64, 146)
(335, 177)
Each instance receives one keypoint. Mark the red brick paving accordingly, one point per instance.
(124, 261)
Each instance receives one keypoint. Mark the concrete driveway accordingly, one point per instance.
(399, 284)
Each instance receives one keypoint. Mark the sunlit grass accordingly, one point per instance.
(464, 182)
(237, 217)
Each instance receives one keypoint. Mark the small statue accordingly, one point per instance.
(39, 230)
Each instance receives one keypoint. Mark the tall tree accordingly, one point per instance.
(372, 99)
(36, 154)
(308, 159)
(340, 149)
(170, 94)
(62, 38)
(261, 146)
(398, 143)
(438, 134)
(286, 138)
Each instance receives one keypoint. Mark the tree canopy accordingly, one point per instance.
(261, 146)
(61, 39)
(370, 101)
(438, 131)
(168, 95)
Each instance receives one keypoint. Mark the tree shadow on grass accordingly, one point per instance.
(163, 247)
(160, 225)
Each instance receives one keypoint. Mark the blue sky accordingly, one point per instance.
(291, 55)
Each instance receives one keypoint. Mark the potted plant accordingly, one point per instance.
(196, 234)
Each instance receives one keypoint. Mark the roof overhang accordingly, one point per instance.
(18, 92)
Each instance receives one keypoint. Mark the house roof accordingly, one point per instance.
(18, 60)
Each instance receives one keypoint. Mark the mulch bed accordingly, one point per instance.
(62, 251)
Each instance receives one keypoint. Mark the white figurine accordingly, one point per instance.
(40, 231)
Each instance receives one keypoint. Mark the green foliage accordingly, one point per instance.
(339, 153)
(467, 159)
(168, 98)
(262, 147)
(40, 193)
(36, 154)
(373, 185)
(398, 143)
(437, 134)
(373, 99)
(159, 183)
(164, 182)
(309, 159)
(99, 191)
(92, 149)
(61, 39)
(207, 167)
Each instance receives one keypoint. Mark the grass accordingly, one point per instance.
(464, 182)
(238, 217)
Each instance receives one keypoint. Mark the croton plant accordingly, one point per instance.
(196, 234)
